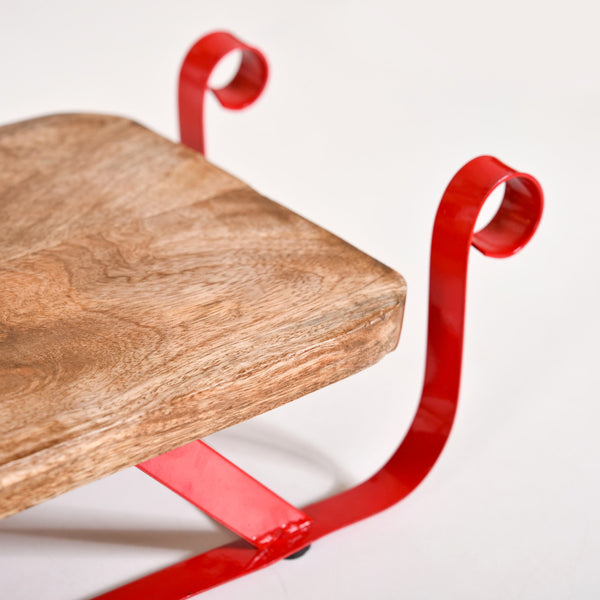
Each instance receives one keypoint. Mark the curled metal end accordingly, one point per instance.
(517, 218)
(245, 87)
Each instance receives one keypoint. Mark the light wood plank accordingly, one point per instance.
(147, 298)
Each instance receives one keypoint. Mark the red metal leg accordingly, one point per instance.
(453, 235)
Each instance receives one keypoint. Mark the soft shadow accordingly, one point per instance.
(262, 436)
(192, 542)
(241, 544)
(35, 538)
(255, 437)
(268, 437)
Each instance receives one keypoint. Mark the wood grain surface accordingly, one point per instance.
(147, 298)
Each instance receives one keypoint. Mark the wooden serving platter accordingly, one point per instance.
(148, 298)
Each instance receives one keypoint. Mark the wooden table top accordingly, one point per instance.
(147, 299)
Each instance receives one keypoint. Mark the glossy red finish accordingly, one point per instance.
(242, 90)
(229, 495)
(453, 235)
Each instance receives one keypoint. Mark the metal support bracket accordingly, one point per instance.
(229, 495)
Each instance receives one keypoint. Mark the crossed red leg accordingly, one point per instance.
(272, 528)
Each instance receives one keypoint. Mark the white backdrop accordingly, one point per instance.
(370, 110)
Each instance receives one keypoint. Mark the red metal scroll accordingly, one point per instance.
(242, 90)
(453, 235)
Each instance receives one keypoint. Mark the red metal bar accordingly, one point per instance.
(453, 235)
(229, 495)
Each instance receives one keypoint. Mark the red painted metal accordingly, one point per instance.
(242, 90)
(229, 495)
(453, 235)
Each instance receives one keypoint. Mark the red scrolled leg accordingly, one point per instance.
(453, 235)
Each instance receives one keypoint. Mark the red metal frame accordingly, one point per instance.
(271, 528)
